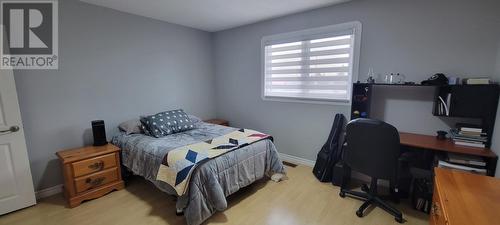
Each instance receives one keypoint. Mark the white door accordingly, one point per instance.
(16, 185)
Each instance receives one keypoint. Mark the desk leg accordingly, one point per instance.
(492, 166)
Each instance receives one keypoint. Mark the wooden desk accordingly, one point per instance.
(432, 143)
(462, 199)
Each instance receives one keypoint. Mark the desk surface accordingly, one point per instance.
(431, 142)
(468, 198)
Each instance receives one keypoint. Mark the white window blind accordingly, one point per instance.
(314, 64)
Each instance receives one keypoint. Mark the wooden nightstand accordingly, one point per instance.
(218, 122)
(90, 172)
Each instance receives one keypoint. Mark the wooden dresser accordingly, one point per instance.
(90, 172)
(463, 199)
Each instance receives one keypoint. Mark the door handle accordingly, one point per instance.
(12, 129)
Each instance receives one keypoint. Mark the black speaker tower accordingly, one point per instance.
(99, 132)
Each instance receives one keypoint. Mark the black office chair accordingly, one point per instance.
(372, 149)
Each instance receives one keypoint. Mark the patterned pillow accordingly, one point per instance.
(144, 126)
(165, 123)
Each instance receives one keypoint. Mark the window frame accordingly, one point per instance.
(308, 34)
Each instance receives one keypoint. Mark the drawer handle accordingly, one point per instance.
(435, 209)
(97, 166)
(95, 182)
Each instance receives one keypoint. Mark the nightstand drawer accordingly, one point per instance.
(95, 180)
(93, 165)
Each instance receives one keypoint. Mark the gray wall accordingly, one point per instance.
(113, 66)
(415, 38)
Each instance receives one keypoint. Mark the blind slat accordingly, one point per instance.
(310, 62)
(310, 70)
(329, 61)
(308, 87)
(331, 52)
(330, 43)
(318, 53)
(308, 95)
(319, 78)
(287, 56)
(286, 48)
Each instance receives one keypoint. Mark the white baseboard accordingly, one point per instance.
(49, 191)
(296, 160)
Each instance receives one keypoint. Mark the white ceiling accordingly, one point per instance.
(213, 15)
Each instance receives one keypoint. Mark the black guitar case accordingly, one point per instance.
(331, 151)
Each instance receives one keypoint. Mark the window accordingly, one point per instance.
(314, 65)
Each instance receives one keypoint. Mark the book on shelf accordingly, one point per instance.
(468, 138)
(471, 128)
(447, 165)
(481, 80)
(448, 103)
(422, 205)
(466, 159)
(470, 144)
(457, 135)
(472, 134)
(444, 106)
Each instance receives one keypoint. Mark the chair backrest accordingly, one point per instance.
(372, 148)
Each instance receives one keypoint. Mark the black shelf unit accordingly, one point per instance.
(470, 101)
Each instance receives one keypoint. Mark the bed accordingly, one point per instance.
(212, 181)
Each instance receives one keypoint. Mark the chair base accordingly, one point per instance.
(369, 195)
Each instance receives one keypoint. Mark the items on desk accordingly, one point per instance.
(467, 160)
(481, 80)
(469, 135)
(453, 80)
(444, 106)
(422, 194)
(469, 169)
(360, 98)
(394, 78)
(436, 79)
(441, 134)
(371, 76)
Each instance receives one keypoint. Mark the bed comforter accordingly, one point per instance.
(212, 181)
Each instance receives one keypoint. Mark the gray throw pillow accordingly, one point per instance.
(194, 119)
(168, 122)
(132, 126)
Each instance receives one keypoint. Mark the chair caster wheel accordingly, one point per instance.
(342, 194)
(365, 188)
(359, 213)
(399, 219)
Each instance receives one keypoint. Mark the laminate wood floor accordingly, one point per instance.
(300, 200)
